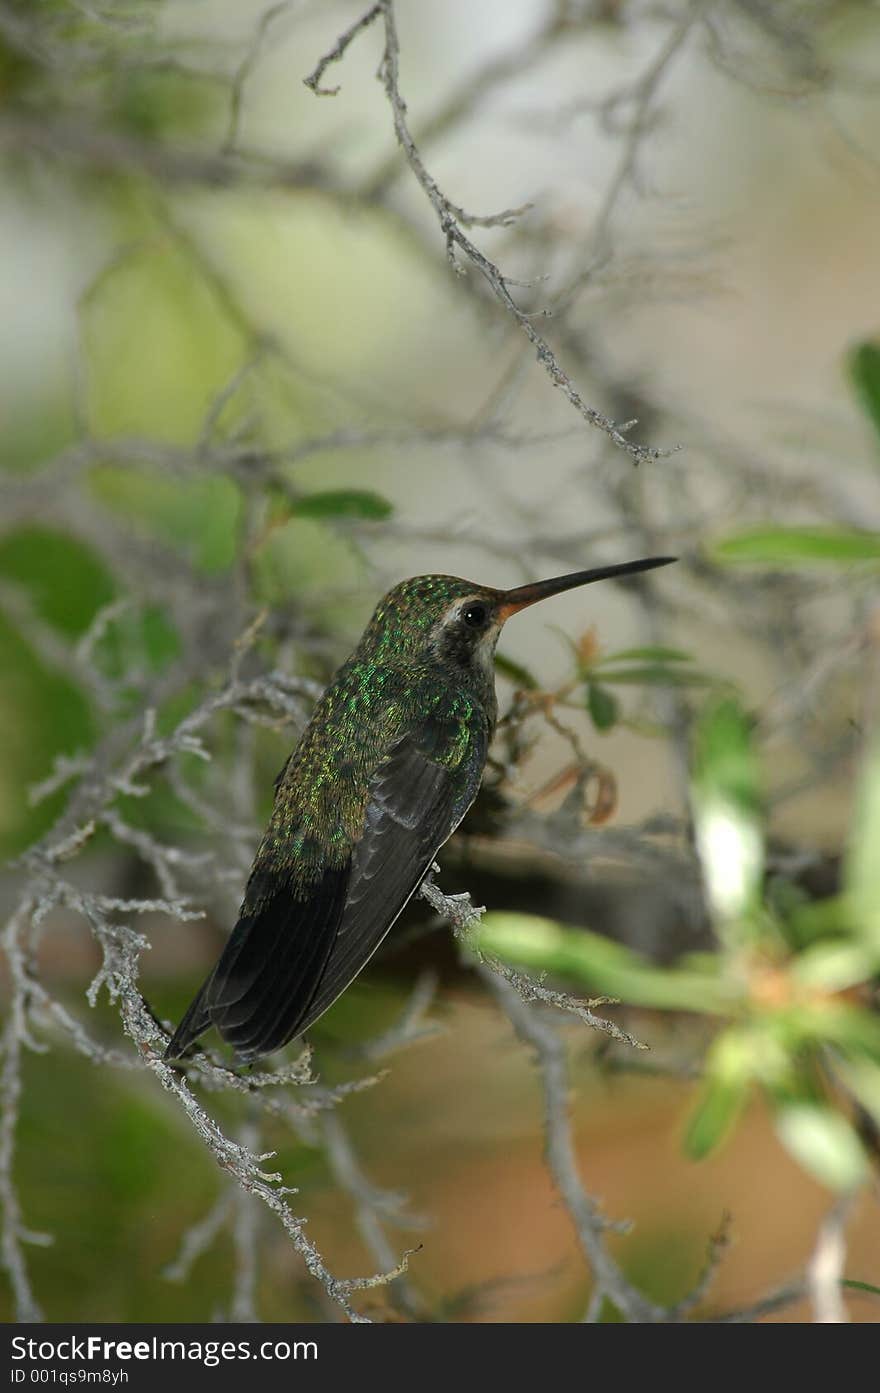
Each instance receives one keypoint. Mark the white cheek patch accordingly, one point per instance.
(485, 650)
(482, 651)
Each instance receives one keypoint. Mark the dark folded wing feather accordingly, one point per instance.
(292, 954)
(414, 806)
(270, 966)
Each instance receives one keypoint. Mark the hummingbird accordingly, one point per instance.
(383, 774)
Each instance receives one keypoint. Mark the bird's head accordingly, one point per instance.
(456, 623)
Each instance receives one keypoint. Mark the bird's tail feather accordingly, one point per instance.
(270, 969)
(194, 1023)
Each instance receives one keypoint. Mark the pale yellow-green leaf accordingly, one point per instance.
(727, 813)
(824, 1143)
(862, 1077)
(579, 955)
(780, 547)
(833, 966)
(730, 1069)
(862, 871)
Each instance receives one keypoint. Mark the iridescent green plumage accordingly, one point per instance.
(391, 684)
(388, 765)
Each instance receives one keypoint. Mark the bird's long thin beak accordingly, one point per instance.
(512, 601)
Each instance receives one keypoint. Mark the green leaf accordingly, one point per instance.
(602, 706)
(43, 714)
(343, 503)
(515, 673)
(714, 1116)
(730, 1070)
(862, 1078)
(833, 966)
(654, 675)
(864, 370)
(852, 1028)
(852, 1284)
(159, 383)
(66, 582)
(199, 514)
(796, 546)
(137, 639)
(607, 967)
(651, 654)
(824, 1143)
(818, 919)
(862, 869)
(727, 813)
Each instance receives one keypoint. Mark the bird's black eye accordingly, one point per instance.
(474, 616)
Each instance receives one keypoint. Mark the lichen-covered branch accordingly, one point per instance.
(46, 891)
(454, 219)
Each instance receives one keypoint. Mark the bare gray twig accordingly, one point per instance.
(453, 219)
(826, 1265)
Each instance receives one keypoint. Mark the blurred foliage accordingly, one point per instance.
(782, 547)
(796, 546)
(790, 984)
(864, 369)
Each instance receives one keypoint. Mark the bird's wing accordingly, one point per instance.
(272, 961)
(414, 806)
(292, 951)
